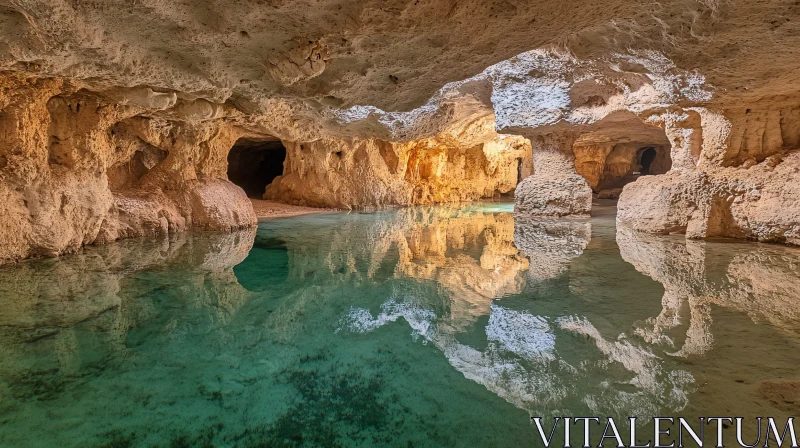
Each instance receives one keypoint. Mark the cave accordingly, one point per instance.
(254, 164)
(471, 217)
(646, 158)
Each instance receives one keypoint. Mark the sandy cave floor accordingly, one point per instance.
(272, 209)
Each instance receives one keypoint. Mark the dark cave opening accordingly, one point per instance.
(254, 164)
(646, 159)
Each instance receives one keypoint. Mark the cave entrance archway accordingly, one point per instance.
(646, 159)
(253, 164)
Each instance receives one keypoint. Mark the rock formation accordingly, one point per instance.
(77, 170)
(345, 173)
(117, 118)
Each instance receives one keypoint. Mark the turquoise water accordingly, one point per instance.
(412, 327)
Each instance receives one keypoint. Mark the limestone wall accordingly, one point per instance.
(76, 169)
(347, 173)
(737, 176)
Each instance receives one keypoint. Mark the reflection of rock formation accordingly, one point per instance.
(756, 280)
(550, 244)
(42, 297)
(468, 252)
(472, 256)
(63, 322)
(523, 365)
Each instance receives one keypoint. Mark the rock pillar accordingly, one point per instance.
(555, 189)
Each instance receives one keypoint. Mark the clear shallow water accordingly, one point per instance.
(413, 327)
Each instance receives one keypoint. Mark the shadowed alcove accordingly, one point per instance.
(253, 164)
(618, 150)
(646, 158)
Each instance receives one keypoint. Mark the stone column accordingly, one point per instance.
(554, 189)
(685, 134)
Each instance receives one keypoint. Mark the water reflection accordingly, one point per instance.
(755, 279)
(535, 352)
(426, 326)
(42, 296)
(551, 244)
(467, 253)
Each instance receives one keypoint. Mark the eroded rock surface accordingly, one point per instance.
(474, 163)
(554, 189)
(761, 202)
(77, 170)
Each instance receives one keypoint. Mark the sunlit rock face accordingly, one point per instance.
(554, 189)
(736, 176)
(761, 202)
(77, 169)
(463, 164)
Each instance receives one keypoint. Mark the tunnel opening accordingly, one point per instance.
(254, 164)
(609, 167)
(648, 155)
(618, 150)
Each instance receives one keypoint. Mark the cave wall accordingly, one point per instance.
(609, 166)
(79, 167)
(347, 173)
(164, 92)
(76, 169)
(729, 172)
(135, 142)
(738, 177)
